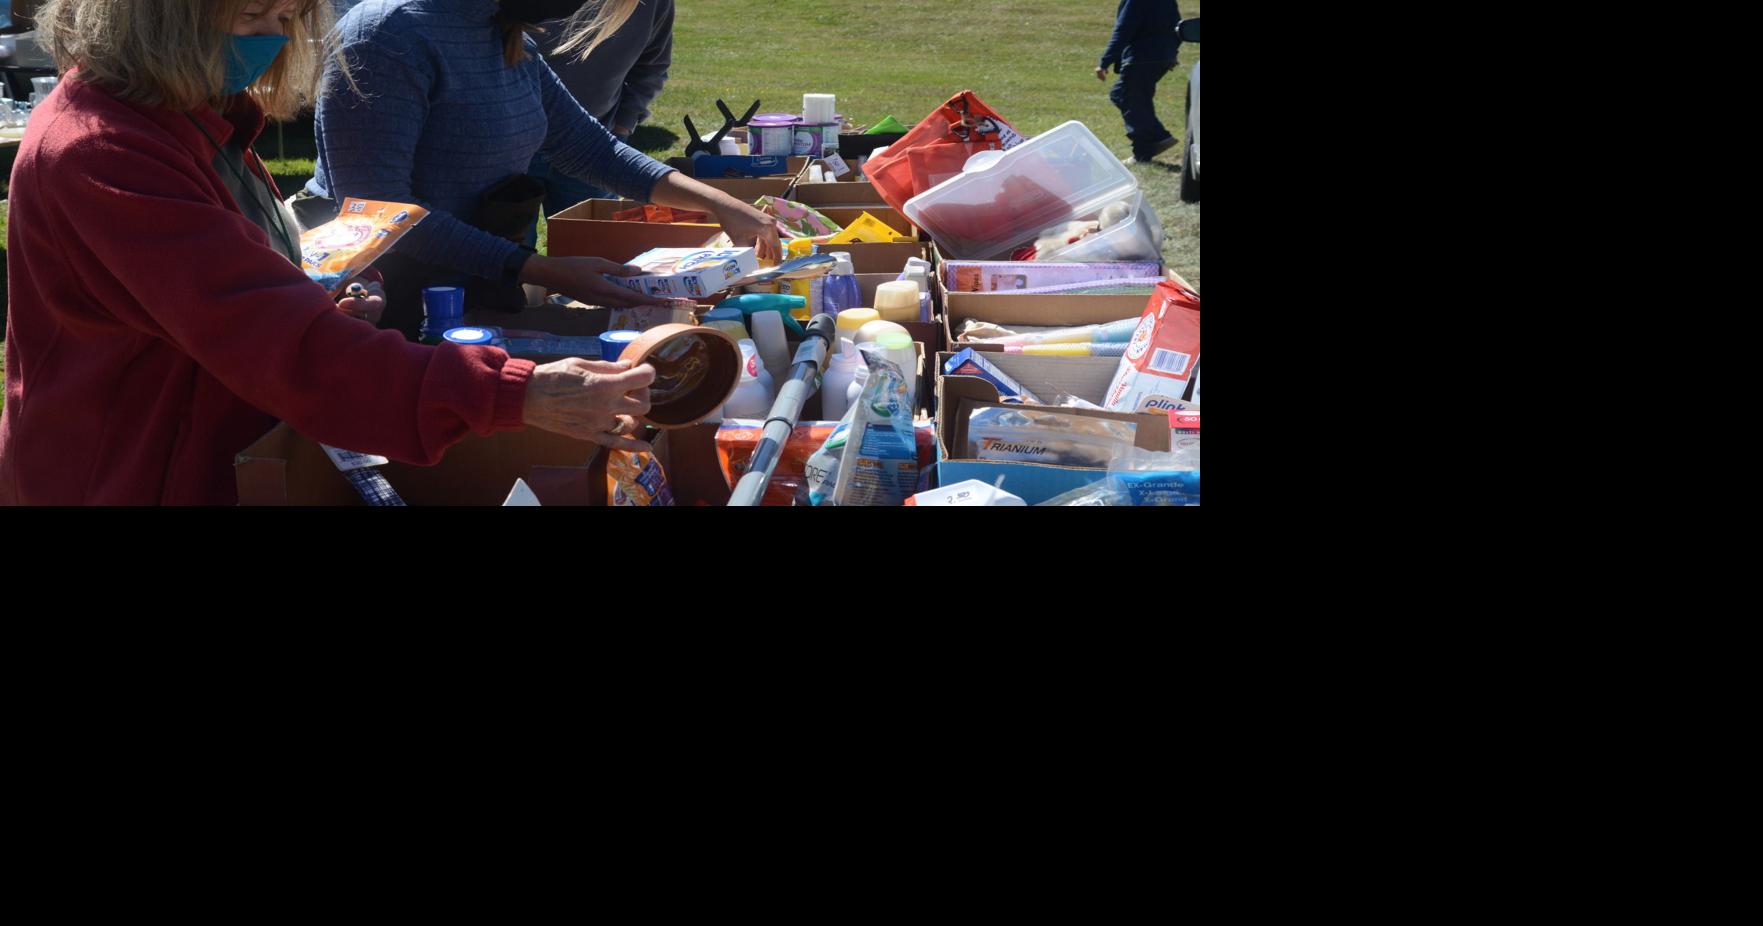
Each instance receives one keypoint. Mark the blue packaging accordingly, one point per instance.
(970, 362)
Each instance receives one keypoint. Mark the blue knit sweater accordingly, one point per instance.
(443, 120)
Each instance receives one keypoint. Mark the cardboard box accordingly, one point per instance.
(748, 190)
(842, 193)
(1036, 311)
(588, 230)
(1049, 378)
(845, 215)
(958, 396)
(887, 258)
(285, 468)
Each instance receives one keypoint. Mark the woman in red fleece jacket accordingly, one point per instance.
(158, 323)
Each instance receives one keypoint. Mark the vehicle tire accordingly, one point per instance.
(1190, 184)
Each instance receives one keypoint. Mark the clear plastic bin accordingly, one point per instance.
(1005, 199)
(1137, 237)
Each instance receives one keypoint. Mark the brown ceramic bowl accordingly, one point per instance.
(696, 370)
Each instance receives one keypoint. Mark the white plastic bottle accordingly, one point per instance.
(853, 391)
(841, 372)
(752, 398)
(768, 334)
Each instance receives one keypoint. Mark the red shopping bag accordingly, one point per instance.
(937, 148)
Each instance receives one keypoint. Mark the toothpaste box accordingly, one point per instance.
(970, 362)
(690, 272)
(1156, 372)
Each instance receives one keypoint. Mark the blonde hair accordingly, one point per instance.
(172, 53)
(590, 25)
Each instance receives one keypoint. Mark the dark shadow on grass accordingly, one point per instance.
(651, 139)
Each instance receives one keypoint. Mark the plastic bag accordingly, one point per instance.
(635, 480)
(334, 253)
(880, 462)
(938, 147)
(1020, 434)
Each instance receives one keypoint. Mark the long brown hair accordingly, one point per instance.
(172, 53)
(592, 24)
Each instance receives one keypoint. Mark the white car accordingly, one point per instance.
(1190, 154)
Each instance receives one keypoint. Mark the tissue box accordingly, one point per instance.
(691, 272)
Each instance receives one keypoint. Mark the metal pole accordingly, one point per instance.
(804, 379)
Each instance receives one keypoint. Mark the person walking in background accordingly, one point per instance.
(1141, 51)
(615, 83)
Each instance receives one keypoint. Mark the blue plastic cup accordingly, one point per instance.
(443, 302)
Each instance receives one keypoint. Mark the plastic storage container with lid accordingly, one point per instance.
(1004, 200)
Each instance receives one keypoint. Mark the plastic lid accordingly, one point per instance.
(775, 119)
(469, 335)
(845, 361)
(844, 267)
(730, 314)
(899, 295)
(875, 329)
(894, 340)
(613, 343)
(853, 319)
(1049, 179)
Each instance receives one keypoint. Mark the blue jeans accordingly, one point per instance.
(561, 192)
(1134, 94)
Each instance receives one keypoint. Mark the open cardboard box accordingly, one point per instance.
(841, 193)
(879, 257)
(587, 229)
(1045, 310)
(749, 189)
(845, 215)
(958, 396)
(285, 468)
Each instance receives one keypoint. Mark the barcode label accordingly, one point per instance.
(1173, 362)
(347, 460)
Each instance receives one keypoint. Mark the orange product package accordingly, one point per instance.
(636, 480)
(739, 437)
(334, 253)
(662, 215)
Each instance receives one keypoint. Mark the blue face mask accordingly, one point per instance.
(248, 56)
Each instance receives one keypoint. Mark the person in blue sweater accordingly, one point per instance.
(443, 103)
(616, 84)
(1141, 51)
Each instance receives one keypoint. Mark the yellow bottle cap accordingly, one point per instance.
(851, 320)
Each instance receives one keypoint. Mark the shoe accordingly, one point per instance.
(1164, 145)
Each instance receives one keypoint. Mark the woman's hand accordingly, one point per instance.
(583, 279)
(746, 225)
(590, 400)
(368, 307)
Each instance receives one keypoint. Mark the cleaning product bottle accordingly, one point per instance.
(768, 334)
(875, 329)
(918, 272)
(841, 291)
(853, 391)
(752, 398)
(810, 289)
(901, 353)
(897, 301)
(852, 321)
(728, 320)
(749, 303)
(841, 372)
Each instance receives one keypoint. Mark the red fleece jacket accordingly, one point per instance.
(154, 331)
